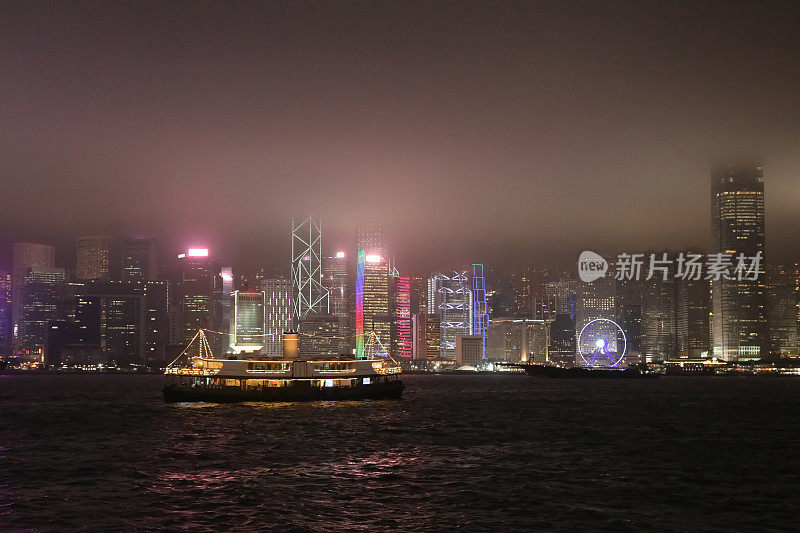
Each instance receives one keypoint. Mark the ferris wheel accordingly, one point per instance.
(602, 343)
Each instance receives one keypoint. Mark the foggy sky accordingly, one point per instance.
(474, 131)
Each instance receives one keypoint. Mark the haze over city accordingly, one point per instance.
(473, 131)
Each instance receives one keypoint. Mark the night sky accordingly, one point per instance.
(474, 131)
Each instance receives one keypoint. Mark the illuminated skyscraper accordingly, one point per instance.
(692, 309)
(336, 281)
(309, 294)
(197, 284)
(782, 311)
(5, 313)
(247, 326)
(480, 309)
(139, 260)
(93, 257)
(401, 317)
(450, 297)
(372, 301)
(27, 256)
(739, 319)
(277, 313)
(41, 305)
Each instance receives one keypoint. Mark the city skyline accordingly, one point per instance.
(563, 127)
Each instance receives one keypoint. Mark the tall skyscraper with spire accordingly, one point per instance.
(739, 318)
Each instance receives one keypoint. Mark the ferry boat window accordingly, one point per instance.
(367, 381)
(329, 383)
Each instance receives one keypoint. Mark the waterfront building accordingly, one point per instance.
(561, 350)
(450, 296)
(373, 321)
(469, 350)
(139, 261)
(336, 280)
(93, 257)
(5, 313)
(402, 341)
(27, 256)
(198, 285)
(516, 340)
(782, 311)
(248, 321)
(739, 319)
(659, 331)
(41, 305)
(277, 313)
(319, 337)
(693, 307)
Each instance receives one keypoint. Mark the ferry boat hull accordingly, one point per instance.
(297, 392)
(545, 371)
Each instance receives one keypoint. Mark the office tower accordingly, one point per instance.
(402, 341)
(629, 316)
(419, 295)
(596, 300)
(373, 321)
(41, 305)
(197, 285)
(469, 350)
(433, 336)
(308, 293)
(225, 296)
(248, 321)
(561, 351)
(139, 260)
(277, 313)
(782, 311)
(514, 340)
(537, 341)
(480, 309)
(370, 237)
(27, 256)
(319, 337)
(93, 257)
(692, 311)
(5, 313)
(450, 297)
(336, 281)
(659, 332)
(156, 319)
(739, 321)
(558, 299)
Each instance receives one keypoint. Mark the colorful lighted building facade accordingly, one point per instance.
(450, 296)
(402, 338)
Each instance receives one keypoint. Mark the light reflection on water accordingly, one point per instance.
(474, 452)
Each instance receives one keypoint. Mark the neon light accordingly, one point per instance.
(403, 310)
(373, 258)
(197, 252)
(480, 314)
(181, 256)
(613, 358)
(339, 254)
(360, 266)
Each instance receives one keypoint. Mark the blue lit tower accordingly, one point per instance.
(480, 315)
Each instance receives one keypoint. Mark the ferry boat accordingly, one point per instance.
(204, 378)
(547, 371)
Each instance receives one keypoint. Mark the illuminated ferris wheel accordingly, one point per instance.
(602, 343)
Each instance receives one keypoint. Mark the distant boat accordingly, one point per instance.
(546, 371)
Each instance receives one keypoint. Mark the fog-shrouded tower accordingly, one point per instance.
(27, 256)
(309, 295)
(93, 257)
(738, 321)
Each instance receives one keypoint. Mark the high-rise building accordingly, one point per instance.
(277, 313)
(659, 331)
(692, 311)
(402, 337)
(561, 351)
(5, 313)
(739, 319)
(337, 282)
(247, 326)
(373, 321)
(27, 256)
(514, 340)
(782, 311)
(433, 336)
(450, 297)
(480, 307)
(197, 286)
(41, 304)
(319, 337)
(139, 260)
(93, 257)
(595, 300)
(308, 292)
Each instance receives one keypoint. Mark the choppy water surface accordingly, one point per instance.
(471, 452)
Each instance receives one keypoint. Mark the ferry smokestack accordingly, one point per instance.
(290, 345)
